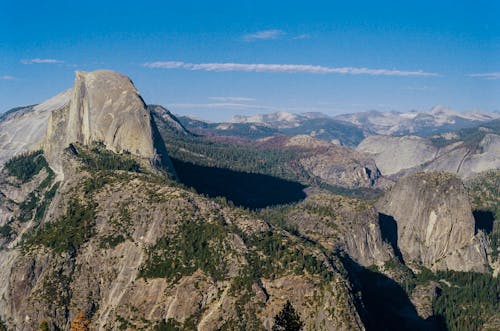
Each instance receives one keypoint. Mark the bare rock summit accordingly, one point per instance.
(435, 225)
(104, 107)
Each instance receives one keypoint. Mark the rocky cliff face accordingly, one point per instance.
(338, 222)
(104, 107)
(435, 225)
(23, 129)
(168, 119)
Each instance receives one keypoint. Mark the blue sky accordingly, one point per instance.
(214, 59)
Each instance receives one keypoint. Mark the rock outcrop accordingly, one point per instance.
(342, 223)
(399, 156)
(23, 129)
(162, 114)
(104, 107)
(329, 163)
(435, 225)
(394, 154)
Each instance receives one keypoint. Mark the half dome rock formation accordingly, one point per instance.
(105, 107)
(435, 225)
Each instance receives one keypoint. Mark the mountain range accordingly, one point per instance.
(118, 215)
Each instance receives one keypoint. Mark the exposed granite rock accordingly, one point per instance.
(400, 156)
(435, 224)
(106, 107)
(393, 154)
(423, 297)
(164, 115)
(24, 129)
(338, 222)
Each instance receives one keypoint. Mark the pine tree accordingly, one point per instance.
(287, 319)
(44, 326)
(80, 323)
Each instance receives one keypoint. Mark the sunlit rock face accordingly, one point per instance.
(104, 107)
(435, 225)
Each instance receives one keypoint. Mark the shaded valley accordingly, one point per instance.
(244, 189)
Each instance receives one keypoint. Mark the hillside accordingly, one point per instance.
(132, 249)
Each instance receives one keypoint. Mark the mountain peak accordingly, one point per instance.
(105, 107)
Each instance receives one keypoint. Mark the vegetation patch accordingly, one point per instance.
(287, 319)
(67, 234)
(196, 245)
(27, 165)
(168, 325)
(45, 203)
(272, 255)
(238, 157)
(28, 207)
(468, 301)
(5, 231)
(3, 327)
(469, 135)
(111, 241)
(56, 289)
(464, 301)
(97, 157)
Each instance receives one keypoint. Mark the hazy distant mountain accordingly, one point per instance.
(422, 123)
(464, 157)
(278, 120)
(317, 125)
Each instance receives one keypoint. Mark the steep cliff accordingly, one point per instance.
(104, 107)
(435, 225)
(342, 223)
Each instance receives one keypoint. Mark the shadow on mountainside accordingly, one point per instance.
(247, 190)
(389, 231)
(384, 304)
(483, 220)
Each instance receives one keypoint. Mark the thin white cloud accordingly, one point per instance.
(419, 88)
(243, 106)
(487, 75)
(236, 99)
(264, 35)
(40, 61)
(222, 105)
(286, 68)
(7, 77)
(302, 36)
